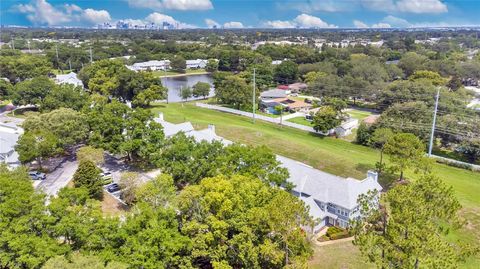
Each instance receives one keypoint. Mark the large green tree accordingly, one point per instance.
(242, 222)
(405, 151)
(286, 72)
(37, 145)
(88, 176)
(234, 90)
(407, 227)
(66, 96)
(32, 91)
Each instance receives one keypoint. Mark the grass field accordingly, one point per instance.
(359, 114)
(301, 120)
(160, 73)
(332, 155)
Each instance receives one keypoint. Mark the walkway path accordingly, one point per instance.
(331, 242)
(260, 117)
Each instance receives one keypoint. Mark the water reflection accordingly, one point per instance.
(174, 84)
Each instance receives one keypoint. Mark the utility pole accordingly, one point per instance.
(56, 52)
(433, 123)
(70, 64)
(28, 43)
(13, 43)
(253, 97)
(165, 70)
(91, 57)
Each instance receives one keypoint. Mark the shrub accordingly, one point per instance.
(340, 235)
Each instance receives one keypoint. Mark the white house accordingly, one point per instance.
(70, 78)
(346, 127)
(150, 65)
(332, 200)
(9, 134)
(195, 64)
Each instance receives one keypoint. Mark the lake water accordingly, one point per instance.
(174, 84)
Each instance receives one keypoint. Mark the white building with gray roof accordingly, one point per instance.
(9, 134)
(332, 200)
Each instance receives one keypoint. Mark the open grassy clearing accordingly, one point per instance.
(160, 73)
(329, 154)
(341, 255)
(359, 114)
(301, 120)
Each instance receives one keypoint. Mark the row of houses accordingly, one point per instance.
(9, 134)
(332, 200)
(165, 65)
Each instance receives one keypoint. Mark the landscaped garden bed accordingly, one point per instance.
(334, 233)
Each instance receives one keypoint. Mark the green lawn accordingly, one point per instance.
(161, 73)
(301, 120)
(341, 255)
(329, 154)
(359, 114)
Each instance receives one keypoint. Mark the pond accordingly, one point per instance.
(174, 84)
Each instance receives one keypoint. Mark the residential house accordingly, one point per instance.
(290, 105)
(70, 78)
(276, 62)
(273, 94)
(196, 64)
(332, 200)
(297, 87)
(346, 127)
(150, 65)
(9, 134)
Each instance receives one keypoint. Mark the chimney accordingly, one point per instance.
(211, 127)
(372, 174)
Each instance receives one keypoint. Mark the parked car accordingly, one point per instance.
(106, 175)
(113, 188)
(36, 175)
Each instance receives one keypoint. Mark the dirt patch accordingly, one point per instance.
(112, 207)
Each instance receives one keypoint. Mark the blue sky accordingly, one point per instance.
(244, 13)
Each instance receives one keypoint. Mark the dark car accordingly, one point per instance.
(113, 188)
(36, 175)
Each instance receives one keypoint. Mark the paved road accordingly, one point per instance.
(58, 178)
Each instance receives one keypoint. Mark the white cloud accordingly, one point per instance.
(308, 21)
(233, 24)
(211, 23)
(396, 22)
(422, 6)
(159, 18)
(381, 25)
(96, 16)
(279, 24)
(40, 12)
(301, 21)
(320, 5)
(359, 24)
(172, 4)
(407, 6)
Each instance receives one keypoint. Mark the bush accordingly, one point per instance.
(333, 230)
(340, 235)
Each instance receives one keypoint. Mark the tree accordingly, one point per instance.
(201, 89)
(88, 176)
(80, 261)
(212, 65)
(432, 77)
(364, 134)
(6, 89)
(378, 140)
(37, 145)
(158, 192)
(286, 72)
(405, 151)
(25, 240)
(411, 62)
(178, 63)
(32, 92)
(129, 182)
(407, 227)
(66, 96)
(185, 93)
(152, 93)
(23, 66)
(234, 90)
(89, 153)
(326, 119)
(213, 216)
(69, 126)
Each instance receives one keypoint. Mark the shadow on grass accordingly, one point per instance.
(364, 167)
(387, 180)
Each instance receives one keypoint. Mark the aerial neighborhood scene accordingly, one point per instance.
(228, 134)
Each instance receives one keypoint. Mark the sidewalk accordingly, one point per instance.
(260, 117)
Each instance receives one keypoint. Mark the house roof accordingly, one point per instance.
(275, 93)
(70, 78)
(170, 129)
(371, 119)
(297, 86)
(292, 103)
(325, 187)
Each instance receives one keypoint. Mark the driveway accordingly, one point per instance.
(58, 178)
